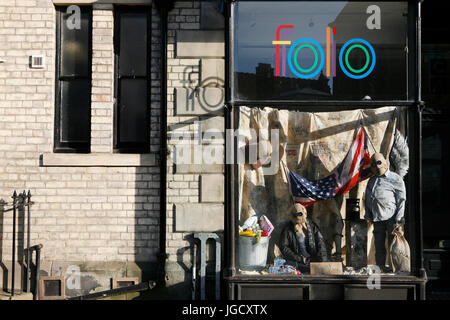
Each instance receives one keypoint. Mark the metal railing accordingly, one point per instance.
(21, 207)
(118, 291)
(204, 237)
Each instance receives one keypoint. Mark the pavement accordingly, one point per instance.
(17, 296)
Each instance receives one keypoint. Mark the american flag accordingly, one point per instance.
(341, 180)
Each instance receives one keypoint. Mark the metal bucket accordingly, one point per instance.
(252, 255)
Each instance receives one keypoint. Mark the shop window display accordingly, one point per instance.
(331, 185)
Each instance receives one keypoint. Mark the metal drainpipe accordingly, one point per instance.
(163, 8)
(422, 270)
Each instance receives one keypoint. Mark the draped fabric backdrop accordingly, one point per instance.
(312, 145)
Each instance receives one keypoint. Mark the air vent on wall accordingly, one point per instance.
(51, 288)
(124, 282)
(37, 61)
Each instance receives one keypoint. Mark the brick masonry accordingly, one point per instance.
(184, 181)
(102, 215)
(102, 78)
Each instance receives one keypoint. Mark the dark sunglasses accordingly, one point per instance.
(377, 163)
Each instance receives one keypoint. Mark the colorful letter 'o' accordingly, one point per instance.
(348, 67)
(316, 57)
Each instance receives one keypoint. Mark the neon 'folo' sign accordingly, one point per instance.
(320, 59)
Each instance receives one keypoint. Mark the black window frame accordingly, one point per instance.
(130, 147)
(413, 105)
(410, 97)
(70, 146)
(436, 121)
(413, 88)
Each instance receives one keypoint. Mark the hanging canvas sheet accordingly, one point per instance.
(311, 145)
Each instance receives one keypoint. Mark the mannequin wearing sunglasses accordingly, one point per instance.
(301, 241)
(385, 205)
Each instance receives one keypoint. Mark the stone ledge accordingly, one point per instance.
(101, 2)
(95, 276)
(200, 44)
(212, 188)
(199, 217)
(97, 160)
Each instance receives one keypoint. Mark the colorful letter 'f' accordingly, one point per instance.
(277, 43)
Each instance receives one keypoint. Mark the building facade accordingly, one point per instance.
(112, 114)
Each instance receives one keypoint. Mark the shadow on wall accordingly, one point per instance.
(4, 270)
(204, 96)
(179, 284)
(210, 265)
(20, 259)
(20, 244)
(146, 227)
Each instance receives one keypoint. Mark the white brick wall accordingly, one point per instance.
(102, 78)
(80, 213)
(177, 184)
(88, 213)
(181, 187)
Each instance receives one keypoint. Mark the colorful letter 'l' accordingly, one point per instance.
(331, 56)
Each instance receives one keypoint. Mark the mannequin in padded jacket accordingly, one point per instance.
(301, 241)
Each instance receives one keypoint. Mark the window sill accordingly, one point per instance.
(307, 278)
(97, 160)
(83, 2)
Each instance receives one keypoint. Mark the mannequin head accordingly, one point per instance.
(378, 164)
(299, 214)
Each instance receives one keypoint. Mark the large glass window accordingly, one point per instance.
(322, 192)
(322, 161)
(73, 81)
(327, 50)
